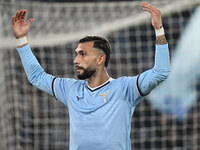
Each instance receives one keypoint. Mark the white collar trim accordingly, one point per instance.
(110, 79)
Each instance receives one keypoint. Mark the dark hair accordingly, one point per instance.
(99, 43)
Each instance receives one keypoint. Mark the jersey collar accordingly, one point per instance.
(100, 86)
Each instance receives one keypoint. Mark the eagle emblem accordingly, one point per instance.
(104, 95)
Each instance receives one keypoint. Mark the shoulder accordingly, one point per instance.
(126, 79)
(124, 82)
(69, 82)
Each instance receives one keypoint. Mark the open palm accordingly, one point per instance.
(155, 14)
(19, 25)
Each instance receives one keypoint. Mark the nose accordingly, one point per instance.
(76, 60)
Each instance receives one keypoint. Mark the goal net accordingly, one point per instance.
(168, 118)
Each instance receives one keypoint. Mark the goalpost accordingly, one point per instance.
(33, 120)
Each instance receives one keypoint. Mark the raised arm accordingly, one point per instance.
(149, 79)
(20, 26)
(34, 71)
(156, 22)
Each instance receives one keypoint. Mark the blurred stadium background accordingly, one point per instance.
(168, 118)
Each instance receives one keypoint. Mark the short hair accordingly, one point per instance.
(99, 43)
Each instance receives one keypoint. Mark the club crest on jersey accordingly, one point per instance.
(104, 95)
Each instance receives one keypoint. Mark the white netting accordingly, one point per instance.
(64, 22)
(31, 119)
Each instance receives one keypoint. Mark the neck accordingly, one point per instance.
(98, 78)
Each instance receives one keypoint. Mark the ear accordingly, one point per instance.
(101, 59)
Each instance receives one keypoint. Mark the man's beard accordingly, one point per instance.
(87, 73)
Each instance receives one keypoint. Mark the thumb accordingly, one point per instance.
(30, 21)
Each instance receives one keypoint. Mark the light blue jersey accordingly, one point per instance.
(100, 118)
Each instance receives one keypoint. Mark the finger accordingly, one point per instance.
(30, 21)
(151, 11)
(24, 14)
(144, 4)
(154, 15)
(13, 20)
(20, 14)
(16, 16)
(150, 7)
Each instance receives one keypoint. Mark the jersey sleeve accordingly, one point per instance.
(130, 90)
(149, 79)
(34, 71)
(136, 87)
(61, 88)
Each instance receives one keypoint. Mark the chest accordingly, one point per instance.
(106, 102)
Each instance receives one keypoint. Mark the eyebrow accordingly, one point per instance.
(80, 51)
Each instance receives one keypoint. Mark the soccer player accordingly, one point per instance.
(100, 107)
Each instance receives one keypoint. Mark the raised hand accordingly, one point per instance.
(155, 15)
(19, 25)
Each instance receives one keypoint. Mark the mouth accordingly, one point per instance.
(78, 68)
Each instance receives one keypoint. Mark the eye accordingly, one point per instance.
(83, 53)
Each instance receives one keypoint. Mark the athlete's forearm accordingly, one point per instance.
(34, 71)
(149, 79)
(161, 40)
